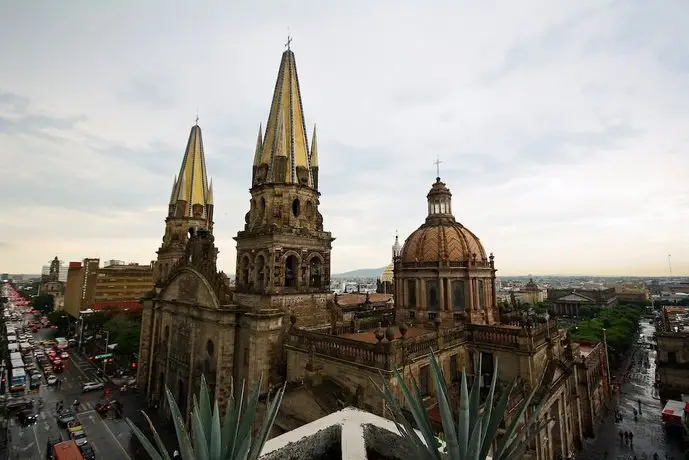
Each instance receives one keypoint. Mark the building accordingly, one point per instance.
(53, 283)
(594, 387)
(568, 302)
(118, 283)
(80, 286)
(386, 283)
(634, 293)
(672, 359)
(531, 294)
(281, 322)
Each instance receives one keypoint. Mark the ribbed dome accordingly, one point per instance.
(442, 240)
(387, 274)
(531, 286)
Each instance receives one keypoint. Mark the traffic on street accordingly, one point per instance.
(53, 394)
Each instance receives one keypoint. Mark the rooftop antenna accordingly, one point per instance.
(669, 263)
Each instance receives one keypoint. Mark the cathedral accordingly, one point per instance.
(281, 323)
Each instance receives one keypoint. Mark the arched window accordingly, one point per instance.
(208, 359)
(244, 271)
(260, 271)
(291, 271)
(315, 275)
(166, 334)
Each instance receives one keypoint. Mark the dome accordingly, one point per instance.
(531, 286)
(441, 237)
(387, 274)
(446, 240)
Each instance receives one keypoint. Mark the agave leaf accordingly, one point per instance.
(156, 437)
(463, 417)
(229, 429)
(150, 449)
(475, 440)
(517, 449)
(445, 408)
(200, 439)
(474, 397)
(511, 429)
(263, 434)
(185, 448)
(420, 414)
(246, 422)
(403, 425)
(205, 405)
(215, 444)
(495, 418)
(513, 437)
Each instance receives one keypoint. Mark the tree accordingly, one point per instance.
(125, 332)
(43, 302)
(59, 319)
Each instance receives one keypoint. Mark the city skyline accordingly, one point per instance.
(561, 134)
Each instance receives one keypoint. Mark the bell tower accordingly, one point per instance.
(190, 207)
(283, 248)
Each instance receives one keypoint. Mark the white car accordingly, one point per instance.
(92, 386)
(52, 380)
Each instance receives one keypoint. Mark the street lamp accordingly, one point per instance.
(107, 340)
(607, 359)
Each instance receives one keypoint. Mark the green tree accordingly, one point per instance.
(125, 332)
(59, 319)
(43, 302)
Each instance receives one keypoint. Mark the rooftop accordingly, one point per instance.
(370, 335)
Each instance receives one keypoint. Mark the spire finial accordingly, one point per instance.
(289, 40)
(197, 116)
(437, 166)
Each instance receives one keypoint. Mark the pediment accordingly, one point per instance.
(574, 297)
(189, 286)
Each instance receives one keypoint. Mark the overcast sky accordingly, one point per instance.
(563, 126)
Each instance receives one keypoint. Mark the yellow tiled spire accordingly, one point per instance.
(209, 195)
(191, 187)
(287, 117)
(173, 195)
(314, 149)
(259, 146)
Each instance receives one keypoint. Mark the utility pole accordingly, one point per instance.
(607, 360)
(107, 340)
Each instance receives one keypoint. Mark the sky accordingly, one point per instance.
(562, 127)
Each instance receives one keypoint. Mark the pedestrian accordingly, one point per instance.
(621, 435)
(631, 437)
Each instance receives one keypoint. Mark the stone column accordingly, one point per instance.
(441, 295)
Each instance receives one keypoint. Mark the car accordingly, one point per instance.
(92, 386)
(65, 417)
(27, 418)
(21, 402)
(74, 426)
(64, 355)
(87, 452)
(102, 407)
(51, 379)
(79, 437)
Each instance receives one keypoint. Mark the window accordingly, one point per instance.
(411, 293)
(412, 314)
(480, 286)
(454, 371)
(424, 384)
(291, 271)
(432, 315)
(432, 295)
(458, 295)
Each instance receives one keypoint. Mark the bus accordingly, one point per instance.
(61, 343)
(17, 379)
(66, 450)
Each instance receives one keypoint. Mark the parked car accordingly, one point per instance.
(52, 379)
(65, 417)
(87, 452)
(79, 437)
(92, 386)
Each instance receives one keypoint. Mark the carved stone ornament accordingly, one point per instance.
(188, 287)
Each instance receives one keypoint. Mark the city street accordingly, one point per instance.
(649, 434)
(109, 436)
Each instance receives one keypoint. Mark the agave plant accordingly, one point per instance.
(209, 439)
(469, 436)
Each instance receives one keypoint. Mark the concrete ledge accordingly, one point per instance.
(347, 434)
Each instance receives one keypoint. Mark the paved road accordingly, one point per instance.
(108, 436)
(649, 435)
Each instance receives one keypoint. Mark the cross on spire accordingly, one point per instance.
(197, 117)
(437, 166)
(289, 41)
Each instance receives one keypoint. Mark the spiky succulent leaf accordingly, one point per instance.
(185, 447)
(445, 409)
(200, 438)
(215, 445)
(271, 415)
(205, 405)
(148, 447)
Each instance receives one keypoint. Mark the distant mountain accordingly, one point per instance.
(361, 273)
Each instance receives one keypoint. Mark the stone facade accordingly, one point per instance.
(672, 359)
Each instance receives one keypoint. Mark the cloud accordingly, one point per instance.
(561, 125)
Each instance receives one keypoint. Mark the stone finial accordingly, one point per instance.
(390, 333)
(403, 328)
(379, 333)
(437, 322)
